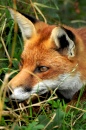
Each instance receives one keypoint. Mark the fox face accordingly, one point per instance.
(50, 59)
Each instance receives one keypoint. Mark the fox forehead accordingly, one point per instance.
(41, 38)
(39, 55)
(38, 48)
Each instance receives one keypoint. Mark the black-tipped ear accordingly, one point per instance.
(26, 26)
(64, 40)
(32, 19)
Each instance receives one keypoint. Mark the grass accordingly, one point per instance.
(44, 115)
(50, 113)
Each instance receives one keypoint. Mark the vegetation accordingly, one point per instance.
(48, 114)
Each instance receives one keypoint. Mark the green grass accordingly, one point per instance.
(44, 115)
(49, 114)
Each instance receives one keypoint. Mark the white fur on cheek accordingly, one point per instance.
(67, 85)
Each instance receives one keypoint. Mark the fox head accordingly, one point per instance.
(48, 61)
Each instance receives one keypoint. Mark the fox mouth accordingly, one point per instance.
(23, 93)
(19, 94)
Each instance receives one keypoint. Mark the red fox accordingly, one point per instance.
(54, 57)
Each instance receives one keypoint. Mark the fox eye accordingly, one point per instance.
(41, 69)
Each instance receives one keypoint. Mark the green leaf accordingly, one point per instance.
(34, 126)
(59, 117)
(43, 119)
(16, 127)
(53, 122)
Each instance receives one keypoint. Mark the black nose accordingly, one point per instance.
(8, 92)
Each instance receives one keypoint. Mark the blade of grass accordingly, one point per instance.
(40, 13)
(42, 5)
(3, 43)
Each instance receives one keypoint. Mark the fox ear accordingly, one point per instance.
(26, 26)
(64, 40)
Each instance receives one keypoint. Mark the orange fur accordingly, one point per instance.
(42, 50)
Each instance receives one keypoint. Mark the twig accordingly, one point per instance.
(77, 119)
(77, 108)
(33, 8)
(36, 104)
